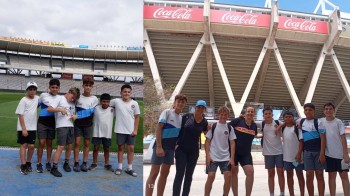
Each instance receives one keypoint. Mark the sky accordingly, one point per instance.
(89, 22)
(307, 6)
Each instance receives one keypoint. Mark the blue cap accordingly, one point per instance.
(201, 103)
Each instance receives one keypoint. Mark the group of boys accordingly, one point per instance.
(72, 116)
(309, 144)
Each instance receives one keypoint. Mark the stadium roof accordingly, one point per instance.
(237, 54)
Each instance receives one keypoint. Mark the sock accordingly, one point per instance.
(66, 160)
(27, 162)
(282, 193)
(76, 163)
(272, 194)
(120, 165)
(130, 167)
(54, 165)
(84, 162)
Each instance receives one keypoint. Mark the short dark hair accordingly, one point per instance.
(267, 109)
(88, 81)
(288, 113)
(105, 96)
(329, 104)
(54, 81)
(309, 105)
(125, 86)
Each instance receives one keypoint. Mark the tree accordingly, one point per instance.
(153, 105)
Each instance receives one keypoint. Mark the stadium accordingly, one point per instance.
(23, 60)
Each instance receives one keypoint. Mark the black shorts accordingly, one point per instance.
(30, 139)
(243, 159)
(86, 132)
(107, 142)
(125, 139)
(334, 165)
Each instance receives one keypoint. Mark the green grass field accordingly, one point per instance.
(8, 123)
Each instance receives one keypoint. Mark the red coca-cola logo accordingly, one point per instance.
(306, 25)
(181, 13)
(247, 19)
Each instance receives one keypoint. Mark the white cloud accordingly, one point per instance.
(74, 22)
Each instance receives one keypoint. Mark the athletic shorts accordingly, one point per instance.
(45, 132)
(125, 139)
(243, 160)
(30, 139)
(167, 159)
(65, 135)
(107, 142)
(334, 165)
(223, 165)
(86, 132)
(312, 162)
(289, 166)
(272, 161)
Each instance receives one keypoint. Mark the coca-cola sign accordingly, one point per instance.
(240, 18)
(303, 25)
(172, 13)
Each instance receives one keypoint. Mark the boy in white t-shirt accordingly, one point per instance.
(103, 124)
(292, 152)
(336, 149)
(26, 126)
(127, 114)
(64, 116)
(272, 150)
(218, 144)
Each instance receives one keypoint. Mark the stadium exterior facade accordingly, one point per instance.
(239, 55)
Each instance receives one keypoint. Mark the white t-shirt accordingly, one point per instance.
(125, 113)
(290, 143)
(219, 147)
(28, 108)
(272, 142)
(64, 120)
(103, 122)
(334, 129)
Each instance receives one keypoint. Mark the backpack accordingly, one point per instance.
(229, 132)
(262, 131)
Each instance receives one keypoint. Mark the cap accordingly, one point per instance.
(201, 103)
(31, 83)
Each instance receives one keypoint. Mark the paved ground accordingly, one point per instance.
(96, 182)
(260, 186)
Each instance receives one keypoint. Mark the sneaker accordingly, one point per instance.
(23, 169)
(39, 168)
(92, 166)
(48, 166)
(118, 172)
(83, 167)
(109, 167)
(76, 167)
(131, 172)
(66, 167)
(29, 166)
(55, 172)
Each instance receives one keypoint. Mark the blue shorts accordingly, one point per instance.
(289, 166)
(223, 165)
(334, 165)
(167, 159)
(272, 161)
(311, 161)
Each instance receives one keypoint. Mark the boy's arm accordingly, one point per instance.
(208, 159)
(323, 148)
(159, 149)
(300, 150)
(23, 125)
(279, 128)
(345, 148)
(136, 125)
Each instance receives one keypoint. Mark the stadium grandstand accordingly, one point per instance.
(242, 55)
(23, 60)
